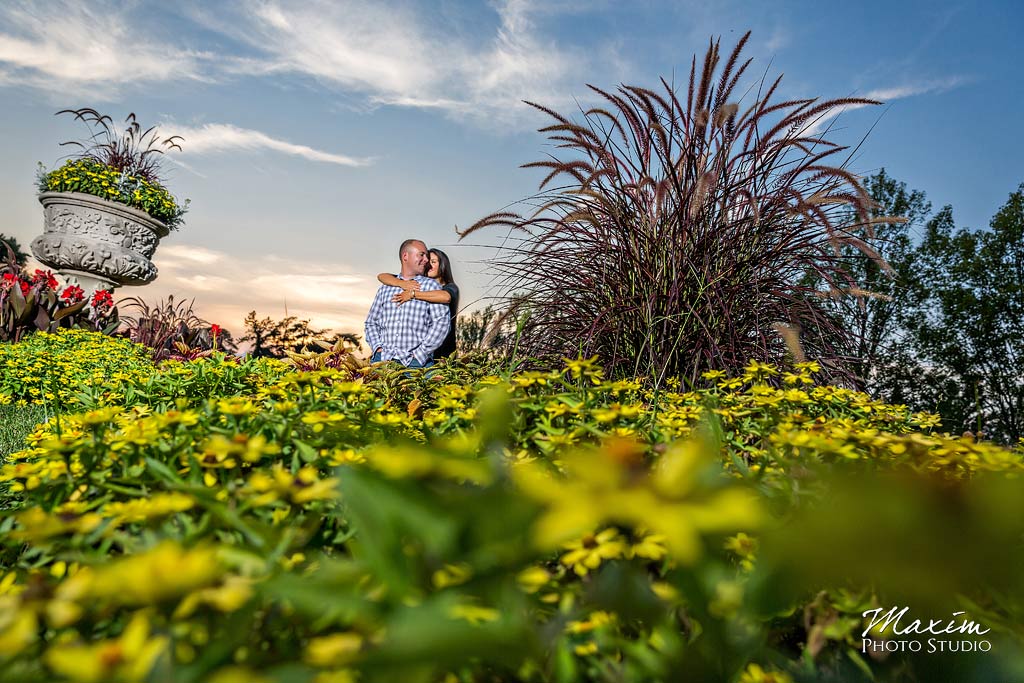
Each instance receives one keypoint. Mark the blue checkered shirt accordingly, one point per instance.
(408, 332)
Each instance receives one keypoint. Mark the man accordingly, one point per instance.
(409, 333)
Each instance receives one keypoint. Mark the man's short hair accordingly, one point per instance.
(407, 245)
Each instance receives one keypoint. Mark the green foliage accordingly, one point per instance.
(16, 254)
(243, 521)
(971, 319)
(277, 338)
(53, 369)
(16, 422)
(945, 334)
(34, 302)
(485, 330)
(107, 182)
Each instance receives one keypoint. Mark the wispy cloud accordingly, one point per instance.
(396, 55)
(885, 95)
(219, 137)
(94, 48)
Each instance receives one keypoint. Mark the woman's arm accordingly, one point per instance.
(437, 296)
(392, 281)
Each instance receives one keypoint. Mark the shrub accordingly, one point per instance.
(163, 326)
(674, 229)
(55, 368)
(550, 525)
(30, 303)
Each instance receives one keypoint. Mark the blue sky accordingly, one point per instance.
(318, 135)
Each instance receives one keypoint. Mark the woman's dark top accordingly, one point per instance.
(447, 347)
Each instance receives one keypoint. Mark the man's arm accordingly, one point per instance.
(373, 328)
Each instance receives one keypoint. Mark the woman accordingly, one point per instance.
(441, 270)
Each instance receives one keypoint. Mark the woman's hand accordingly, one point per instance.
(404, 295)
(410, 286)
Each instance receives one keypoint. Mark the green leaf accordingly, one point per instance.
(306, 452)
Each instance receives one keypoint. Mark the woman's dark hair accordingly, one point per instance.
(444, 267)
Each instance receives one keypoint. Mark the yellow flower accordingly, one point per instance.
(473, 614)
(614, 485)
(755, 674)
(452, 575)
(234, 592)
(581, 367)
(532, 579)
(590, 551)
(302, 487)
(166, 571)
(129, 657)
(36, 525)
(594, 621)
(141, 509)
(336, 649)
(649, 546)
(19, 626)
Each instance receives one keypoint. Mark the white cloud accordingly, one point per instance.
(174, 254)
(219, 137)
(396, 55)
(226, 287)
(884, 95)
(93, 48)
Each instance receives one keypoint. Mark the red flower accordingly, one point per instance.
(8, 281)
(102, 299)
(72, 294)
(45, 276)
(25, 287)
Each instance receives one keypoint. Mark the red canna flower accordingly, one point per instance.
(102, 299)
(72, 294)
(45, 276)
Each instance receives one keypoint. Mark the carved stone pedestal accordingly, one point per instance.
(95, 243)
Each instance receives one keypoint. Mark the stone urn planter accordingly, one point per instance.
(95, 243)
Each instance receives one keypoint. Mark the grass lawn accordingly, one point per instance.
(15, 423)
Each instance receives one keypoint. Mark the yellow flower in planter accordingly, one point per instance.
(129, 657)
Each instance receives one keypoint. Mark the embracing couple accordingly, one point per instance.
(412, 319)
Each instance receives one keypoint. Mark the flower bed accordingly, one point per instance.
(223, 520)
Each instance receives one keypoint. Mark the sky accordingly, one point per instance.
(318, 135)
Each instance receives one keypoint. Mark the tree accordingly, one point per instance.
(259, 333)
(273, 339)
(19, 256)
(872, 304)
(969, 323)
(485, 330)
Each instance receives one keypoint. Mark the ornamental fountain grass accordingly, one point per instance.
(674, 231)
